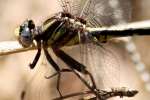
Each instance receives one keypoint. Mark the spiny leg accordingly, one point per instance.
(38, 54)
(62, 70)
(58, 83)
(51, 61)
(56, 67)
(32, 65)
(74, 65)
(69, 95)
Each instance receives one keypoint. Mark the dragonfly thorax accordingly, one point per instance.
(64, 30)
(76, 21)
(68, 15)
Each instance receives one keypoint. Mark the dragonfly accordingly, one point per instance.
(76, 24)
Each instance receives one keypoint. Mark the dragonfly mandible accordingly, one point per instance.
(68, 24)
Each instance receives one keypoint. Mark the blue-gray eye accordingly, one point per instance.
(26, 33)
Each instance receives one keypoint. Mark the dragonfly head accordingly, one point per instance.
(25, 33)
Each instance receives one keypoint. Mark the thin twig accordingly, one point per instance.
(10, 47)
(121, 92)
(73, 95)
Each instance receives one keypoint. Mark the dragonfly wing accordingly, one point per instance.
(99, 12)
(103, 60)
(108, 12)
(72, 6)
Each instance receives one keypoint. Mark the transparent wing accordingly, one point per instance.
(112, 12)
(108, 61)
(99, 12)
(102, 62)
(72, 6)
(105, 61)
(107, 12)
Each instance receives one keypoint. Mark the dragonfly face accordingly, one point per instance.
(26, 31)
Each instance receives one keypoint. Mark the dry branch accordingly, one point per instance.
(121, 92)
(10, 47)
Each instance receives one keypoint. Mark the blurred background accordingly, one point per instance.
(16, 76)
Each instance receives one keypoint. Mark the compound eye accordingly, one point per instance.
(26, 33)
(31, 24)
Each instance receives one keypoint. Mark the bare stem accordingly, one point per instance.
(10, 47)
(121, 92)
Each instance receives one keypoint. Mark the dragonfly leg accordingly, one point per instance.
(51, 61)
(56, 67)
(58, 84)
(32, 65)
(62, 70)
(74, 65)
